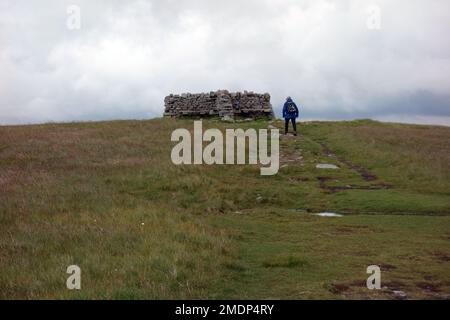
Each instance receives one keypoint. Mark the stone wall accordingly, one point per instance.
(220, 103)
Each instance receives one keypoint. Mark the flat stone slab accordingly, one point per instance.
(328, 214)
(326, 166)
(399, 293)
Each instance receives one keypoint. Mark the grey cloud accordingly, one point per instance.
(129, 55)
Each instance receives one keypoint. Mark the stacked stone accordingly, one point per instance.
(220, 103)
(254, 104)
(187, 104)
(224, 104)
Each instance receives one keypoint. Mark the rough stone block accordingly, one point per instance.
(220, 103)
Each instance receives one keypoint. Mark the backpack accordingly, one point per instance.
(291, 108)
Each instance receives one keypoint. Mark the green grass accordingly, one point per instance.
(105, 196)
(299, 256)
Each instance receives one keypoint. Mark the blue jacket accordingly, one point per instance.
(288, 115)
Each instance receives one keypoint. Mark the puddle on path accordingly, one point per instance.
(328, 214)
(326, 166)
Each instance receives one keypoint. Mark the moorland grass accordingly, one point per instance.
(106, 196)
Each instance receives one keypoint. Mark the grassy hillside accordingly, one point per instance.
(106, 197)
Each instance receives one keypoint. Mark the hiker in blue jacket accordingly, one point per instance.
(290, 113)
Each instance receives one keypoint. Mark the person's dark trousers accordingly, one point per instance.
(286, 125)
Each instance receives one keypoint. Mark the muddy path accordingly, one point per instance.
(363, 172)
(295, 156)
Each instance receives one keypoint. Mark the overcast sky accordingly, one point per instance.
(379, 59)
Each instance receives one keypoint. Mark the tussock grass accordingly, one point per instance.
(105, 196)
